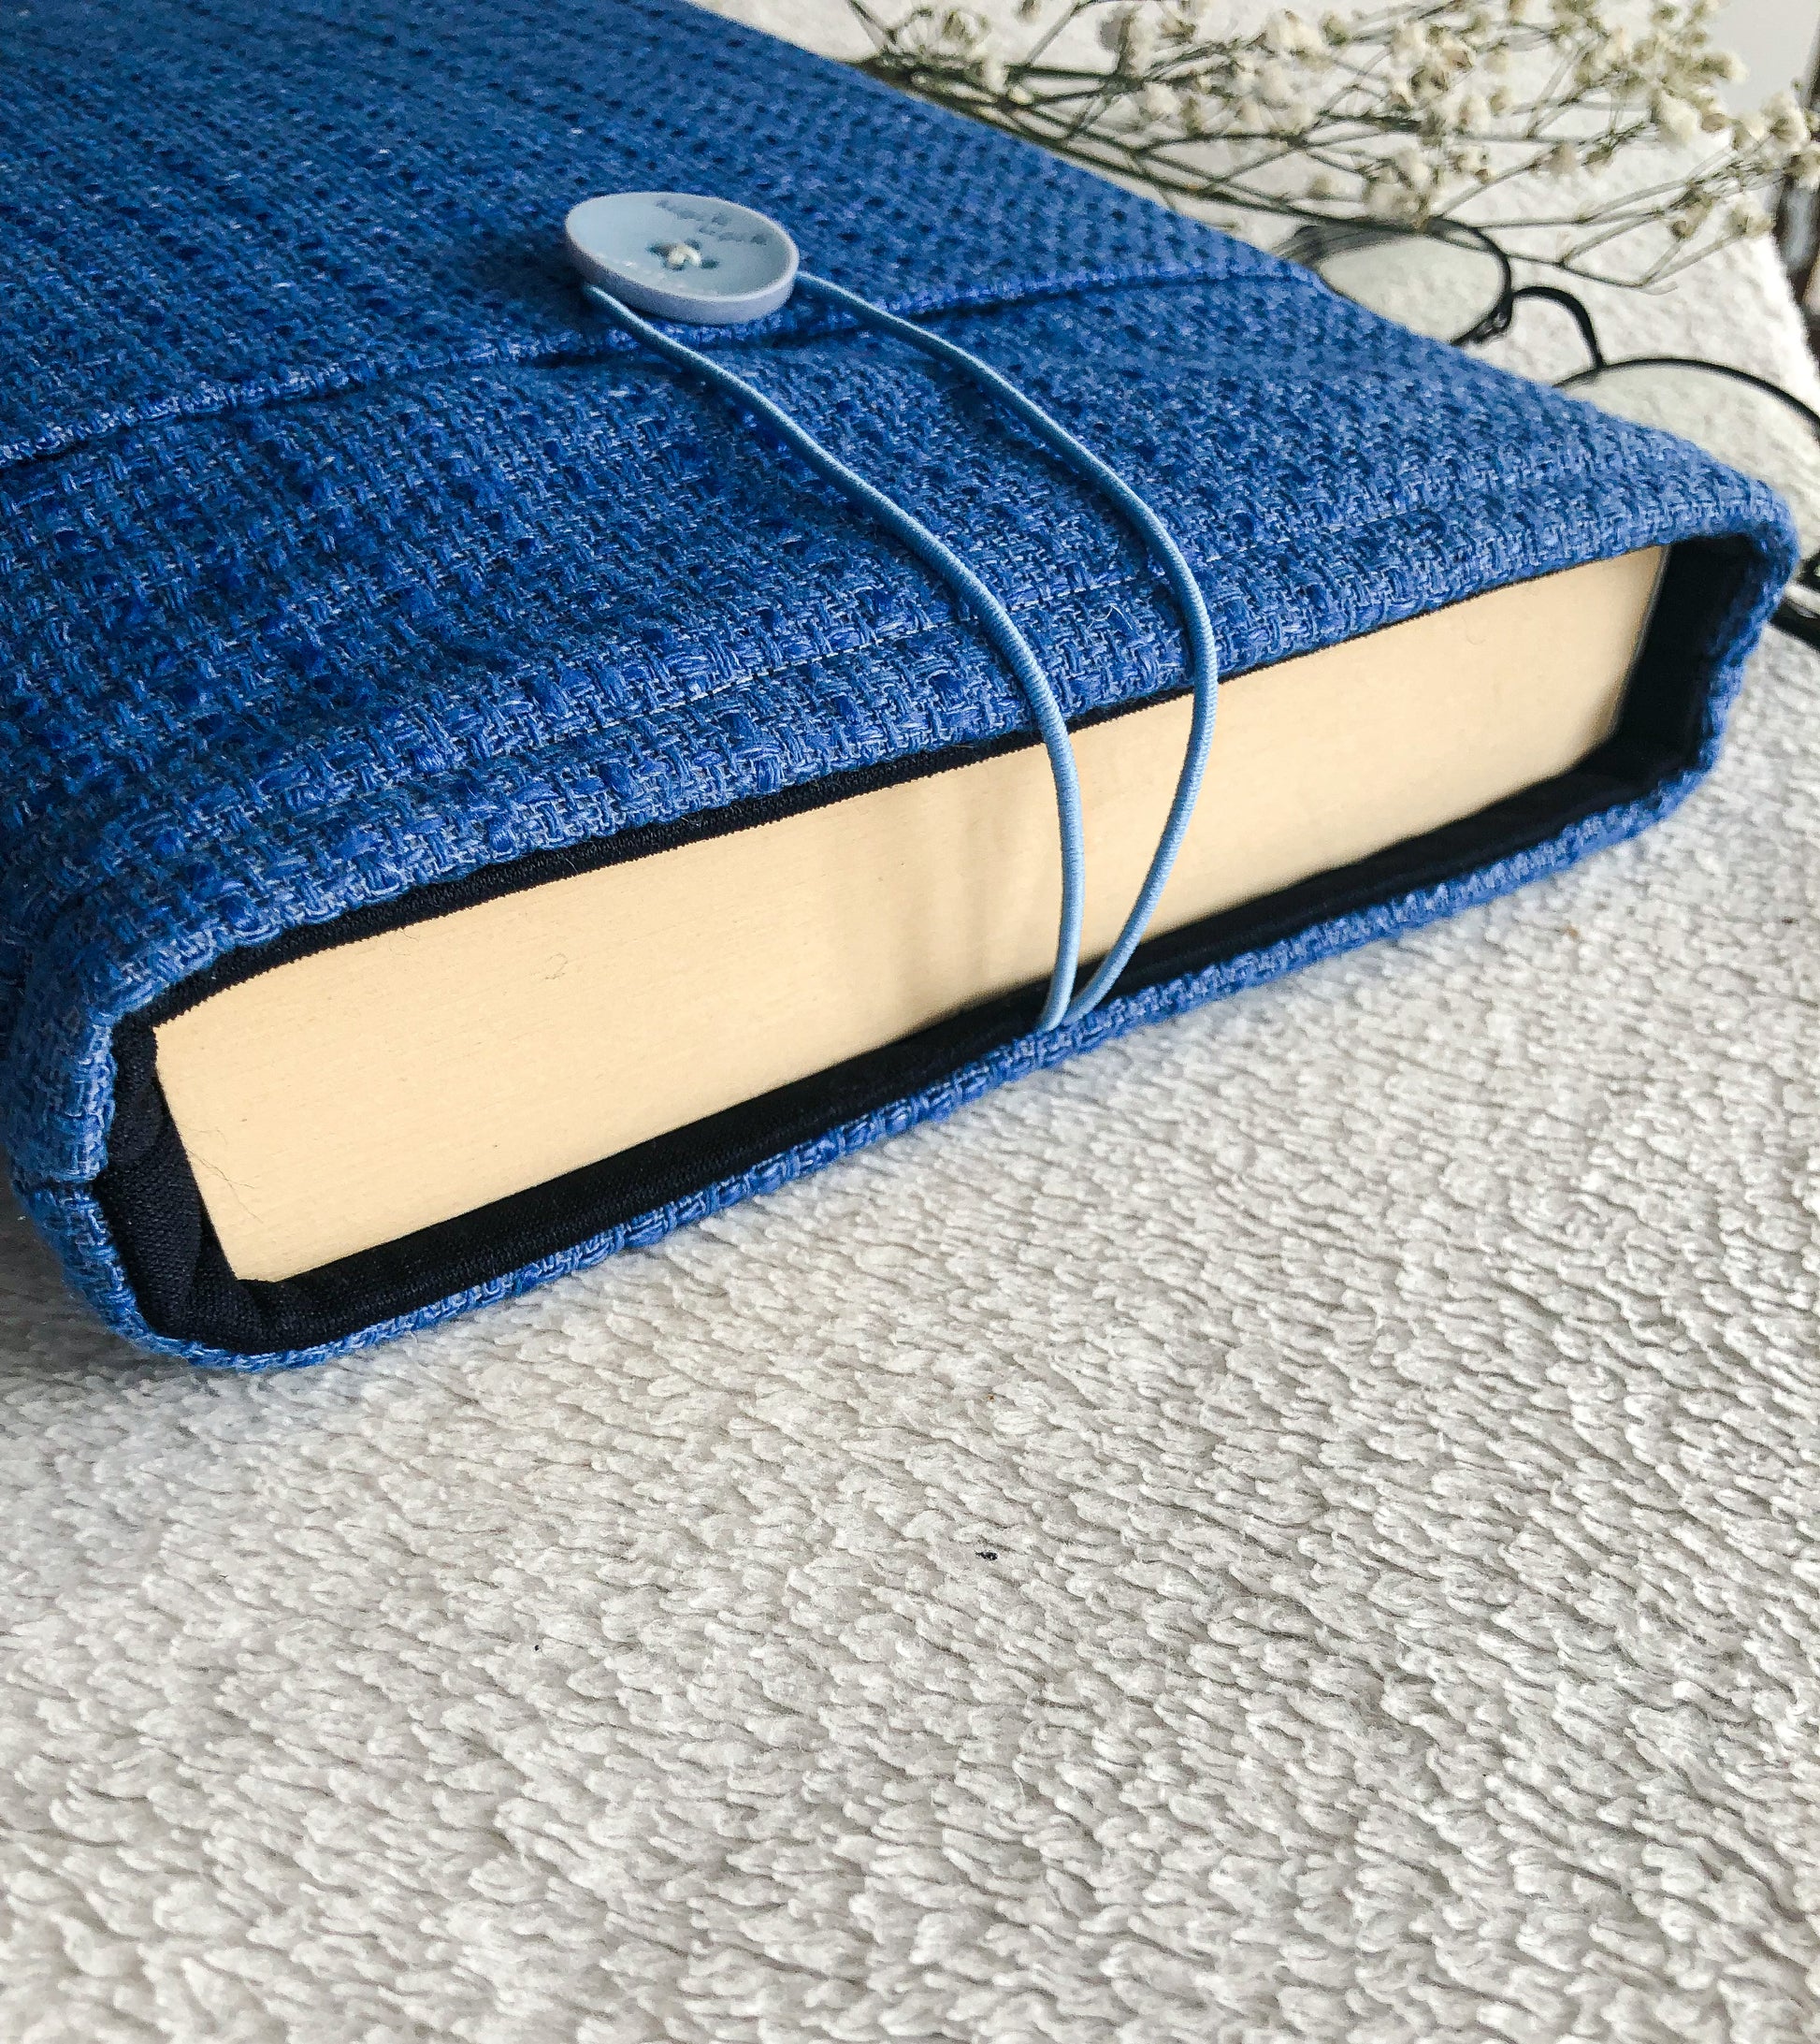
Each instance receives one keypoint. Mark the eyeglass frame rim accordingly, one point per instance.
(1801, 623)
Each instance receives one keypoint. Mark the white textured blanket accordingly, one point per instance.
(1303, 1525)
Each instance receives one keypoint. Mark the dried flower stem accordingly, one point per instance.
(1407, 112)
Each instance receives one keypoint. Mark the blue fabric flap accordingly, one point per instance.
(210, 202)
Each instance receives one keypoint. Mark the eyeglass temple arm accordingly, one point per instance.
(1581, 317)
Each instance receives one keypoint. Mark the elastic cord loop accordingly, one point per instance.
(1197, 628)
(1203, 669)
(1012, 647)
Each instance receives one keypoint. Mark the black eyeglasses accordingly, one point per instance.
(1454, 284)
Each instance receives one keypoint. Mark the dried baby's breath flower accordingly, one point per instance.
(1290, 35)
(1787, 121)
(1131, 32)
(1408, 111)
(1678, 118)
(1276, 85)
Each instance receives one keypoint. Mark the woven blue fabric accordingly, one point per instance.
(348, 550)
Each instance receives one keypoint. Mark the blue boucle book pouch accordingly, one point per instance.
(360, 574)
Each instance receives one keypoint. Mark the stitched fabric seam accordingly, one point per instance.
(256, 394)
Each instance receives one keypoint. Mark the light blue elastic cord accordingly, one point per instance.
(1197, 628)
(1010, 643)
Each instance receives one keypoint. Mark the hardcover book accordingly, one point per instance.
(475, 802)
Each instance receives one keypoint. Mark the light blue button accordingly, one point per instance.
(676, 256)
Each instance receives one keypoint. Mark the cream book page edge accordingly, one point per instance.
(347, 1098)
